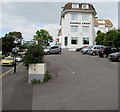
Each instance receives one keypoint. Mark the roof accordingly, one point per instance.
(107, 22)
(68, 6)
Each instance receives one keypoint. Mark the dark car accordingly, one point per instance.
(106, 51)
(114, 56)
(79, 49)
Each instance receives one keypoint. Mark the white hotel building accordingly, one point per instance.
(77, 25)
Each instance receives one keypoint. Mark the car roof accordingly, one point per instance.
(9, 57)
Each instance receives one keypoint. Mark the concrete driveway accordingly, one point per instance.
(80, 82)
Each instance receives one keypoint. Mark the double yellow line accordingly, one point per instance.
(4, 74)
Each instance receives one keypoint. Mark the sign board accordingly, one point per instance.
(28, 43)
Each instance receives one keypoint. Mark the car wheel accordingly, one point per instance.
(104, 56)
(59, 52)
(48, 52)
(93, 53)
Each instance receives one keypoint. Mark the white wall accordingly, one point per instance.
(66, 29)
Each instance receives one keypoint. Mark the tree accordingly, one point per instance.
(116, 40)
(43, 37)
(110, 38)
(8, 41)
(34, 54)
(100, 38)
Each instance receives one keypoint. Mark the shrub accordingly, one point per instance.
(47, 77)
(34, 54)
(35, 81)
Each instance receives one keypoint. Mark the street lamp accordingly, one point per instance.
(15, 50)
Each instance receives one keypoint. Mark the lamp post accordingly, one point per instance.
(15, 50)
(14, 55)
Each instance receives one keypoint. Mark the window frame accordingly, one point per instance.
(85, 6)
(74, 28)
(84, 16)
(85, 31)
(74, 40)
(85, 38)
(75, 5)
(74, 17)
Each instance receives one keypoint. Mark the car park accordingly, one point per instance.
(106, 51)
(8, 61)
(95, 49)
(85, 50)
(52, 50)
(79, 49)
(114, 56)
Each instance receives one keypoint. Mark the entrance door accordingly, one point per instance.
(66, 41)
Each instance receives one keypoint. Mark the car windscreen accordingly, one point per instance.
(8, 58)
(90, 47)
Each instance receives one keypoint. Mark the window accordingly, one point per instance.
(54, 47)
(85, 40)
(85, 6)
(85, 29)
(75, 5)
(101, 21)
(85, 17)
(74, 40)
(74, 16)
(74, 28)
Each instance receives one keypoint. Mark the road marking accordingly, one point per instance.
(4, 74)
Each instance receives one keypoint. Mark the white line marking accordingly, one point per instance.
(4, 74)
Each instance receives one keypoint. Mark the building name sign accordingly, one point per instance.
(79, 23)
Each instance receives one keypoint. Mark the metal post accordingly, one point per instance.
(15, 66)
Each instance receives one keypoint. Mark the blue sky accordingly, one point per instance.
(28, 17)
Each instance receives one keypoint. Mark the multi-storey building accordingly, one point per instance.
(77, 25)
(103, 25)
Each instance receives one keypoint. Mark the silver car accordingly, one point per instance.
(95, 49)
(53, 50)
(86, 49)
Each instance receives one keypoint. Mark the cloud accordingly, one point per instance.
(41, 12)
(28, 17)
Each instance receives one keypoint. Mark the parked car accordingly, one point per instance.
(114, 56)
(8, 61)
(53, 50)
(85, 50)
(95, 49)
(18, 58)
(79, 49)
(106, 51)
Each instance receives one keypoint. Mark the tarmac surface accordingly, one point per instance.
(80, 82)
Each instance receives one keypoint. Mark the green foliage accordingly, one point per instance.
(111, 38)
(43, 37)
(47, 77)
(33, 55)
(35, 81)
(100, 38)
(8, 41)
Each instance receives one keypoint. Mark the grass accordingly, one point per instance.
(47, 77)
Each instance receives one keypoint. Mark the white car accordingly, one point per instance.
(47, 49)
(18, 58)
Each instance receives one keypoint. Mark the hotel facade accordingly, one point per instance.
(77, 25)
